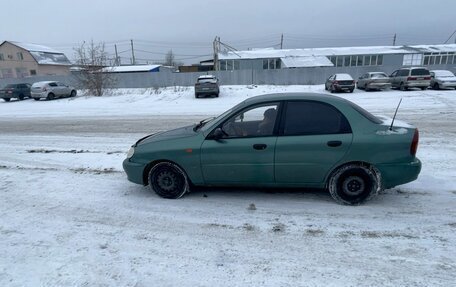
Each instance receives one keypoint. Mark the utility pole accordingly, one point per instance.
(116, 62)
(133, 53)
(216, 51)
(394, 40)
(281, 42)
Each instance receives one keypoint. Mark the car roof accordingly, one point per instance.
(44, 82)
(206, 76)
(293, 96)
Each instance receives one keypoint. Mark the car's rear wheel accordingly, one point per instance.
(332, 90)
(402, 87)
(354, 184)
(168, 180)
(423, 88)
(51, 96)
(36, 99)
(6, 99)
(73, 93)
(21, 97)
(436, 86)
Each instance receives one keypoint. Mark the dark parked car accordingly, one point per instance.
(15, 91)
(207, 85)
(415, 77)
(281, 140)
(340, 83)
(374, 81)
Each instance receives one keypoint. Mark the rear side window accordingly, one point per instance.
(403, 73)
(53, 84)
(366, 114)
(420, 72)
(313, 118)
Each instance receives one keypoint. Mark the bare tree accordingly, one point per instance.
(170, 60)
(92, 60)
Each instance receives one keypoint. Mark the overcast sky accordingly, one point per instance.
(188, 27)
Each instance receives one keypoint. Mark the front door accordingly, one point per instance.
(245, 155)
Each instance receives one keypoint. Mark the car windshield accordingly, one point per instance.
(379, 75)
(206, 80)
(443, 73)
(366, 114)
(216, 119)
(420, 72)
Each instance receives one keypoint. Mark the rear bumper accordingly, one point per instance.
(134, 171)
(344, 87)
(378, 86)
(39, 95)
(399, 173)
(418, 84)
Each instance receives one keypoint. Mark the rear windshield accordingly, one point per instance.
(10, 86)
(207, 80)
(379, 75)
(366, 114)
(420, 72)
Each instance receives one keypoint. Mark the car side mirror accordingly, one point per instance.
(217, 134)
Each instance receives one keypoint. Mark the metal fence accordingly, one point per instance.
(299, 76)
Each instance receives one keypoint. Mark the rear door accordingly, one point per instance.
(313, 138)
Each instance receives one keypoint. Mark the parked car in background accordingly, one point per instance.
(340, 83)
(414, 77)
(442, 79)
(50, 90)
(281, 140)
(15, 91)
(207, 85)
(374, 81)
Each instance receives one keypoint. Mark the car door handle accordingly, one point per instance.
(334, 143)
(260, 146)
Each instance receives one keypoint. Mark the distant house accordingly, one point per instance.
(20, 60)
(137, 69)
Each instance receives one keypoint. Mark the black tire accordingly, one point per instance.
(402, 87)
(21, 97)
(73, 93)
(326, 88)
(6, 99)
(50, 97)
(423, 88)
(354, 184)
(168, 180)
(196, 96)
(332, 90)
(436, 86)
(351, 90)
(36, 99)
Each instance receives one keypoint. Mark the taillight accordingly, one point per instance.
(415, 140)
(411, 79)
(427, 78)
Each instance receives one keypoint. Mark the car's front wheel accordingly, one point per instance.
(168, 180)
(6, 99)
(353, 184)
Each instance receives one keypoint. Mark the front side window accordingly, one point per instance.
(313, 118)
(252, 122)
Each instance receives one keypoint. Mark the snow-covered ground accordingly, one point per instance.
(69, 217)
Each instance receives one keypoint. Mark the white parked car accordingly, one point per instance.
(442, 79)
(50, 90)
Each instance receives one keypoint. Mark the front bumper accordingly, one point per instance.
(134, 171)
(399, 173)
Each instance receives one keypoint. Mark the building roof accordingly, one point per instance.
(132, 68)
(43, 55)
(273, 53)
(307, 61)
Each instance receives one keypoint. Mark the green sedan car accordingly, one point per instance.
(281, 140)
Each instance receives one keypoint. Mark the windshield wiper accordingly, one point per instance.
(202, 123)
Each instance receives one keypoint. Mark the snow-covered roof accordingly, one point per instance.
(43, 55)
(35, 48)
(132, 68)
(307, 61)
(273, 53)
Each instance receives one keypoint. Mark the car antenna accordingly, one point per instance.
(395, 113)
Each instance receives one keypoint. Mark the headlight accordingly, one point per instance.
(131, 152)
